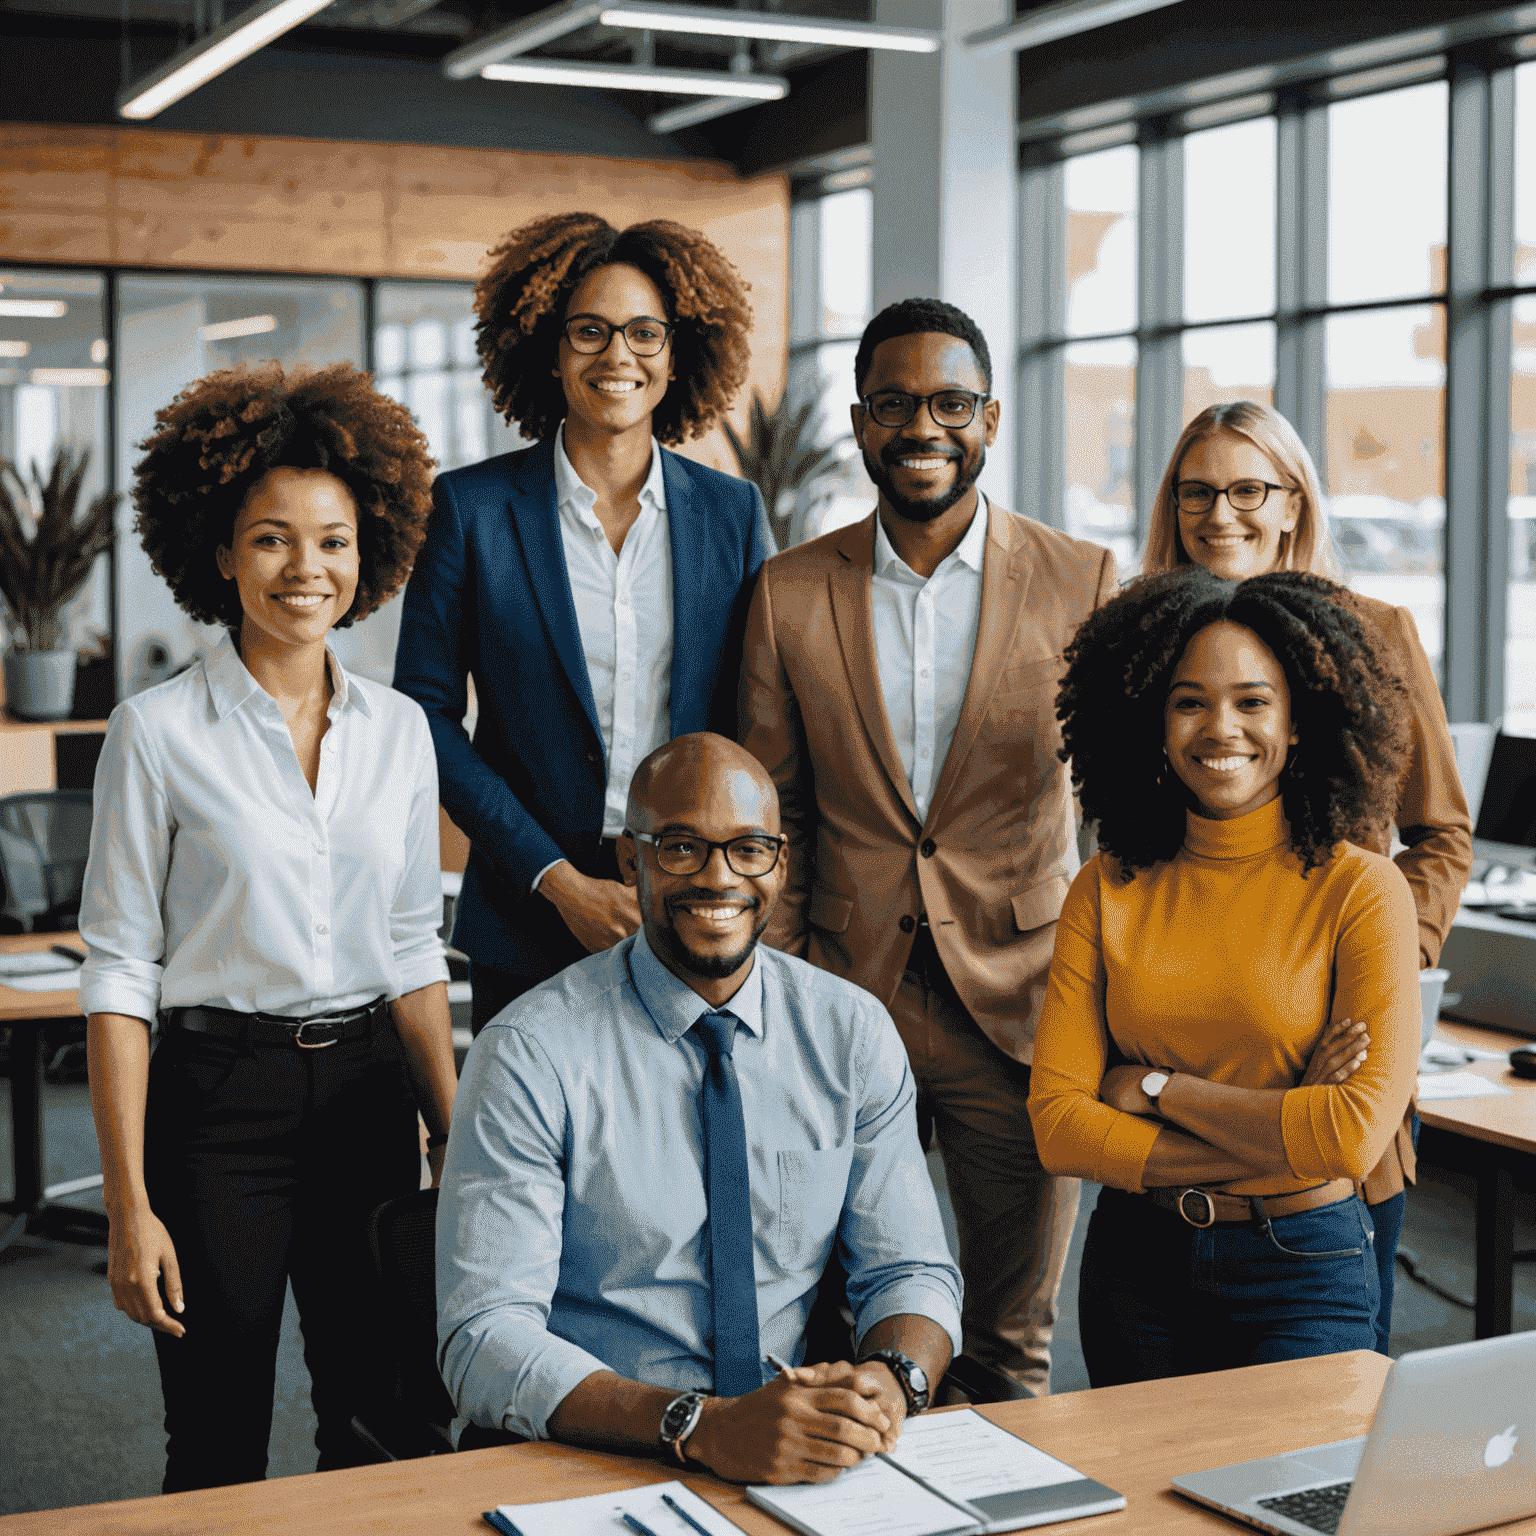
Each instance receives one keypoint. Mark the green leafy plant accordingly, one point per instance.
(780, 454)
(40, 573)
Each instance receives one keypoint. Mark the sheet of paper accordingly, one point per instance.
(1456, 1085)
(44, 981)
(871, 1499)
(602, 1514)
(966, 1456)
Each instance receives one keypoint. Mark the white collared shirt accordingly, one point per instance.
(216, 877)
(624, 613)
(925, 641)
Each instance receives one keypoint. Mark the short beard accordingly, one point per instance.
(708, 967)
(932, 507)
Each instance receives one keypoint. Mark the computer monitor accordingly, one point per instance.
(1506, 816)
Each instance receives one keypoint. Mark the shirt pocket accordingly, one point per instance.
(813, 1183)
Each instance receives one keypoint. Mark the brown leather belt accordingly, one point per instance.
(1208, 1208)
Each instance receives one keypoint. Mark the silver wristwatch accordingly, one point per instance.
(680, 1420)
(1152, 1085)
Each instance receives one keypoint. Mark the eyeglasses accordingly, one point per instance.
(591, 334)
(681, 853)
(1243, 495)
(949, 408)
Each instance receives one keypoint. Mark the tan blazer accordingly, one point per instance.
(991, 864)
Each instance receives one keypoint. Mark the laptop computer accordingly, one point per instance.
(1452, 1448)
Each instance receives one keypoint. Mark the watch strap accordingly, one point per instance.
(901, 1367)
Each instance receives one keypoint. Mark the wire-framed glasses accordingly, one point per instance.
(949, 407)
(684, 853)
(1243, 495)
(645, 336)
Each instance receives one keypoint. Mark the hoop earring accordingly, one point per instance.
(1162, 773)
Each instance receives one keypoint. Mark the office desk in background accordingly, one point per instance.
(1494, 1140)
(1134, 1438)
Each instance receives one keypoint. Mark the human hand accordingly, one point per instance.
(873, 1381)
(435, 1164)
(789, 1431)
(1121, 1089)
(139, 1252)
(598, 912)
(1337, 1056)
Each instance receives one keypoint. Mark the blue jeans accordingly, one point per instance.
(1158, 1297)
(1387, 1218)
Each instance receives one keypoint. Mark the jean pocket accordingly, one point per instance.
(1328, 1223)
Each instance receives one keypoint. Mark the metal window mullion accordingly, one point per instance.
(113, 468)
(1040, 457)
(1160, 296)
(1301, 274)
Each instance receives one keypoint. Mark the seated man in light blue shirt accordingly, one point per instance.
(652, 1158)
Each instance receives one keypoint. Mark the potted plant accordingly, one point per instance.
(46, 556)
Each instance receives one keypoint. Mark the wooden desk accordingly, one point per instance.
(1133, 1438)
(1493, 1139)
(26, 1014)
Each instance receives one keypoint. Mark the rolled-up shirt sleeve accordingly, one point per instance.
(132, 831)
(890, 1236)
(416, 916)
(499, 1236)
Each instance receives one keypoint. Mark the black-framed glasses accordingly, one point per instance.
(949, 407)
(645, 335)
(684, 853)
(1243, 495)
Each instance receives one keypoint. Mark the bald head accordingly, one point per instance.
(676, 781)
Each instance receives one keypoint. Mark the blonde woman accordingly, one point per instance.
(1241, 497)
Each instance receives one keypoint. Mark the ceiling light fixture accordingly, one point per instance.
(1057, 21)
(239, 37)
(72, 378)
(34, 309)
(521, 37)
(692, 112)
(770, 26)
(228, 330)
(15, 348)
(640, 77)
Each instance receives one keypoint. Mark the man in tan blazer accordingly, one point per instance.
(899, 685)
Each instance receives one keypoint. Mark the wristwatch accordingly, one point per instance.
(1152, 1085)
(913, 1378)
(680, 1420)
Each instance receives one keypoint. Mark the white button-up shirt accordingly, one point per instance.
(216, 877)
(624, 614)
(925, 641)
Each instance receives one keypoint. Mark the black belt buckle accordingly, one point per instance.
(317, 1042)
(1210, 1209)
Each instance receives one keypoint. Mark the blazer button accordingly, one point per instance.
(908, 923)
(928, 846)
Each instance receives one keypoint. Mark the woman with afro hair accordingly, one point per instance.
(593, 586)
(264, 880)
(1231, 1022)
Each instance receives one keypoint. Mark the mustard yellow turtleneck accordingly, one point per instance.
(1225, 963)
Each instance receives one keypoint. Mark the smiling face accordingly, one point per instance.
(293, 555)
(922, 469)
(703, 927)
(1228, 721)
(611, 392)
(1229, 543)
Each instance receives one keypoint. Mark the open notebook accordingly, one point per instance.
(950, 1473)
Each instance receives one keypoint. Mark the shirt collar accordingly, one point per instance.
(230, 685)
(675, 1007)
(572, 490)
(971, 550)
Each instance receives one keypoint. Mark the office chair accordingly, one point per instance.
(45, 838)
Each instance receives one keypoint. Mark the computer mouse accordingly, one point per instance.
(1522, 1061)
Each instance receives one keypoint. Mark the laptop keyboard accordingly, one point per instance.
(1320, 1508)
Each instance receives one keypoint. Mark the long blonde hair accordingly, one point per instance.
(1308, 547)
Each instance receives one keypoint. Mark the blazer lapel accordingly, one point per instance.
(1004, 586)
(686, 538)
(856, 632)
(536, 517)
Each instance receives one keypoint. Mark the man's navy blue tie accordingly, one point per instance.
(727, 1186)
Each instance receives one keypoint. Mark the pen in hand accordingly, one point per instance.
(779, 1365)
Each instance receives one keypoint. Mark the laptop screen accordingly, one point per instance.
(1508, 811)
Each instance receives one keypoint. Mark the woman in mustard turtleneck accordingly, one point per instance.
(1234, 742)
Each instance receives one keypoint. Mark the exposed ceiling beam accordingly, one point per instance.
(1053, 22)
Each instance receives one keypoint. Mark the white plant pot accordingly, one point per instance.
(40, 685)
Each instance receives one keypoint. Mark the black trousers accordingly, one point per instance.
(264, 1162)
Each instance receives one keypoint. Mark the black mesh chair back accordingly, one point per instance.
(45, 839)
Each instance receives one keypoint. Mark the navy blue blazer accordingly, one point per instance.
(490, 598)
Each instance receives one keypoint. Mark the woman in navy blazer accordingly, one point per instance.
(545, 572)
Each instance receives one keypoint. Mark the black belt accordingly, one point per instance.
(310, 1034)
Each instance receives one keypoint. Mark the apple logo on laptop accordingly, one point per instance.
(1501, 1447)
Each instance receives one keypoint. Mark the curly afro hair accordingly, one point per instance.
(523, 298)
(919, 317)
(221, 435)
(1349, 713)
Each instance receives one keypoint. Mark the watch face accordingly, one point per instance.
(917, 1378)
(675, 1420)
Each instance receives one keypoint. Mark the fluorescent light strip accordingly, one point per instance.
(1220, 112)
(1391, 74)
(693, 112)
(1098, 138)
(1047, 26)
(228, 330)
(770, 26)
(15, 348)
(239, 37)
(521, 37)
(629, 77)
(72, 378)
(1378, 50)
(34, 309)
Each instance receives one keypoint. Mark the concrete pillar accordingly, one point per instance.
(946, 188)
